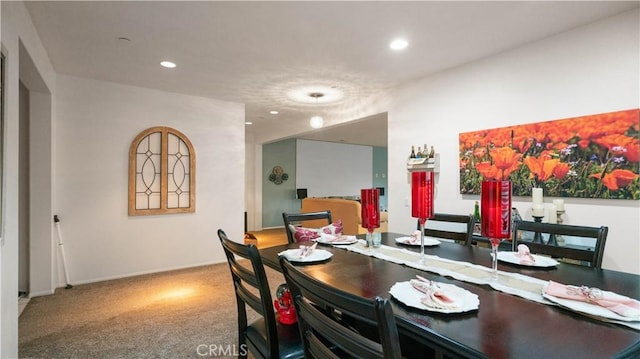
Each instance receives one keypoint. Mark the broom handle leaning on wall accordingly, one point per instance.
(56, 220)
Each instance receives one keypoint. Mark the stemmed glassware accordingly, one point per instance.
(370, 211)
(422, 184)
(495, 215)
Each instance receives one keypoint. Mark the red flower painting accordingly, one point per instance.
(595, 156)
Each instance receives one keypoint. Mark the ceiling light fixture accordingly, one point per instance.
(301, 94)
(398, 44)
(168, 64)
(273, 112)
(316, 121)
(248, 123)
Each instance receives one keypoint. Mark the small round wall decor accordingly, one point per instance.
(277, 175)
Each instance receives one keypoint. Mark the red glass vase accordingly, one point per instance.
(370, 208)
(495, 209)
(495, 214)
(422, 184)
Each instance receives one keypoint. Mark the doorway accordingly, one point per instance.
(37, 274)
(23, 192)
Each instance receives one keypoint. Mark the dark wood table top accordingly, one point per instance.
(504, 326)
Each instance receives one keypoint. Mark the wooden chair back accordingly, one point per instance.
(297, 218)
(549, 233)
(323, 336)
(265, 338)
(456, 227)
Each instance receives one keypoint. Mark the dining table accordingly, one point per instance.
(503, 325)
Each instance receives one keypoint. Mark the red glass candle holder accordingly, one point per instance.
(370, 208)
(422, 184)
(495, 209)
(495, 214)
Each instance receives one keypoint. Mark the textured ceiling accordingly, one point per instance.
(255, 52)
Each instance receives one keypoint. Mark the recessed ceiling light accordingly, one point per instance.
(398, 44)
(248, 123)
(273, 112)
(168, 64)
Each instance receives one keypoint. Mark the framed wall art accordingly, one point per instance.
(162, 168)
(593, 156)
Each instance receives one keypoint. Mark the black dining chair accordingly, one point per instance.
(265, 337)
(324, 335)
(456, 227)
(297, 218)
(542, 238)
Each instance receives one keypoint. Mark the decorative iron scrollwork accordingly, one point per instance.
(277, 175)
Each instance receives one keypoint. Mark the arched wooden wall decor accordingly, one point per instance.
(162, 172)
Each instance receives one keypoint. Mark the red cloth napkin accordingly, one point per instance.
(616, 303)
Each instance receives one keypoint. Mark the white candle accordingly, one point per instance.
(536, 194)
(553, 214)
(538, 210)
(559, 203)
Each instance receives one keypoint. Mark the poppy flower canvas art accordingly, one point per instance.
(593, 156)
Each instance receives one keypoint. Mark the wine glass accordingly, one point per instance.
(370, 211)
(495, 215)
(422, 202)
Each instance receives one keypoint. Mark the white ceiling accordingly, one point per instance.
(254, 52)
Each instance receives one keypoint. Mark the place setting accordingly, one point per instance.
(337, 239)
(425, 294)
(306, 253)
(594, 302)
(414, 240)
(523, 257)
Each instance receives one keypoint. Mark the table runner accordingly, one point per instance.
(512, 283)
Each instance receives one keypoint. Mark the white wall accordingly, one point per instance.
(19, 35)
(96, 123)
(333, 169)
(589, 70)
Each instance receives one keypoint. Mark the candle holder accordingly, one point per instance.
(559, 241)
(422, 184)
(537, 237)
(496, 215)
(559, 214)
(370, 213)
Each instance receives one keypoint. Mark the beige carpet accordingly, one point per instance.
(175, 314)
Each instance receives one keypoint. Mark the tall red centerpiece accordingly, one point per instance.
(422, 184)
(370, 211)
(495, 214)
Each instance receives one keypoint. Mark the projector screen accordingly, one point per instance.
(328, 169)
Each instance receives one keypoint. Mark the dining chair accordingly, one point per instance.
(324, 335)
(456, 227)
(265, 337)
(320, 219)
(590, 254)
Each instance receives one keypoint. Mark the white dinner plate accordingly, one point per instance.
(540, 261)
(407, 294)
(318, 255)
(587, 308)
(328, 239)
(428, 241)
